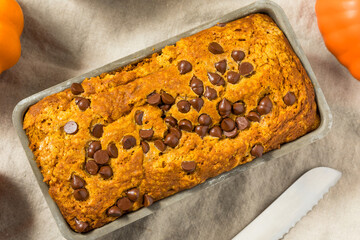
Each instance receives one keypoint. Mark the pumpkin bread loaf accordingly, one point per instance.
(214, 100)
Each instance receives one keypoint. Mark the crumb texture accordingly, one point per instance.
(271, 101)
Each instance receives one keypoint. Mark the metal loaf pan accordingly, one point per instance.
(263, 6)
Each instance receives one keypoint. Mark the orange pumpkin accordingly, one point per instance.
(339, 24)
(11, 27)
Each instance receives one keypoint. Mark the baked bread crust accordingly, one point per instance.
(116, 98)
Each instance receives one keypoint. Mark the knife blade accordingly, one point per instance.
(277, 219)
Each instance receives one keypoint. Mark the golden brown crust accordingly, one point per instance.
(116, 97)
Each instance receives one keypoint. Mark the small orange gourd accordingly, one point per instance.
(11, 27)
(339, 24)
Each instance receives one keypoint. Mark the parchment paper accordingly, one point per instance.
(63, 39)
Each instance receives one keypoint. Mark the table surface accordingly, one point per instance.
(63, 39)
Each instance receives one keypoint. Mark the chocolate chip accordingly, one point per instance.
(112, 150)
(197, 103)
(114, 211)
(71, 127)
(257, 150)
(80, 226)
(188, 166)
(224, 108)
(154, 99)
(289, 98)
(77, 182)
(246, 68)
(238, 55)
(215, 48)
(184, 67)
(231, 134)
(216, 79)
(101, 157)
(145, 147)
(98, 130)
(227, 124)
(159, 144)
(201, 130)
(147, 200)
(105, 172)
(221, 24)
(216, 132)
(128, 142)
(146, 134)
(165, 107)
(83, 104)
(171, 121)
(124, 203)
(253, 116)
(139, 117)
(93, 147)
(171, 140)
(197, 85)
(133, 194)
(78, 99)
(183, 106)
(204, 120)
(81, 194)
(210, 93)
(242, 123)
(167, 98)
(238, 108)
(91, 167)
(265, 105)
(221, 66)
(233, 77)
(185, 125)
(175, 131)
(76, 88)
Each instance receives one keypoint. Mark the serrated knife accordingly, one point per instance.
(276, 220)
